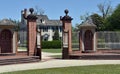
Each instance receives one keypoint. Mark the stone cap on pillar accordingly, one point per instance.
(66, 17)
(31, 15)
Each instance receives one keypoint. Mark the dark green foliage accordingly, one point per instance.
(113, 22)
(56, 35)
(51, 44)
(97, 20)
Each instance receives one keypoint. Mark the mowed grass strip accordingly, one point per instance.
(98, 69)
(52, 50)
(45, 50)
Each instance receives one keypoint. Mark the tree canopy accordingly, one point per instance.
(113, 22)
(97, 20)
(108, 21)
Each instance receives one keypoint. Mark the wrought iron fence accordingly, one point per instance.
(108, 40)
(75, 40)
(22, 36)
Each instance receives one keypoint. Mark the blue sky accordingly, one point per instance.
(53, 8)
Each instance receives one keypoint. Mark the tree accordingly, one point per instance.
(105, 9)
(97, 20)
(113, 22)
(56, 35)
(73, 29)
(39, 11)
(85, 16)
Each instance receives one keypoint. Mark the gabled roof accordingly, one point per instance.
(88, 23)
(54, 22)
(47, 21)
(45, 17)
(6, 22)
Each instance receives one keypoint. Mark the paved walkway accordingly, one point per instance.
(54, 63)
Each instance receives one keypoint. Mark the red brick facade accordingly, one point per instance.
(31, 36)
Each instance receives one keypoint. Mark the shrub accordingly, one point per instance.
(51, 44)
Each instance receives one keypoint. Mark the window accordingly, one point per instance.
(45, 37)
(45, 29)
(60, 29)
(53, 28)
(42, 21)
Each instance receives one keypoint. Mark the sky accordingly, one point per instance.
(52, 8)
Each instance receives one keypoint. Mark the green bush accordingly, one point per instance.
(51, 44)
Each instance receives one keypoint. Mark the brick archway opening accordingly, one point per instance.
(88, 40)
(6, 41)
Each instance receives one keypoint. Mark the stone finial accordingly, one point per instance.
(31, 10)
(31, 15)
(66, 12)
(66, 17)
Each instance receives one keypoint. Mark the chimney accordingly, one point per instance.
(25, 13)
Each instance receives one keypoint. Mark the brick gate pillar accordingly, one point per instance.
(67, 31)
(31, 33)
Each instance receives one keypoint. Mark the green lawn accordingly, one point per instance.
(98, 69)
(52, 50)
(22, 48)
(48, 50)
(45, 50)
(57, 56)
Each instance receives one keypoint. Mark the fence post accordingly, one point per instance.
(38, 52)
(67, 31)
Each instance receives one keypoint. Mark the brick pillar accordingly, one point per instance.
(67, 31)
(31, 33)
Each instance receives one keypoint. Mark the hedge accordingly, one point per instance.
(51, 44)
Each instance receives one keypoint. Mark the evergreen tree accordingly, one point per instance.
(56, 35)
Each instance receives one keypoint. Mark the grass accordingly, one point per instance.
(98, 69)
(48, 50)
(45, 50)
(22, 48)
(52, 50)
(57, 56)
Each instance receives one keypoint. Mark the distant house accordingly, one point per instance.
(46, 25)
